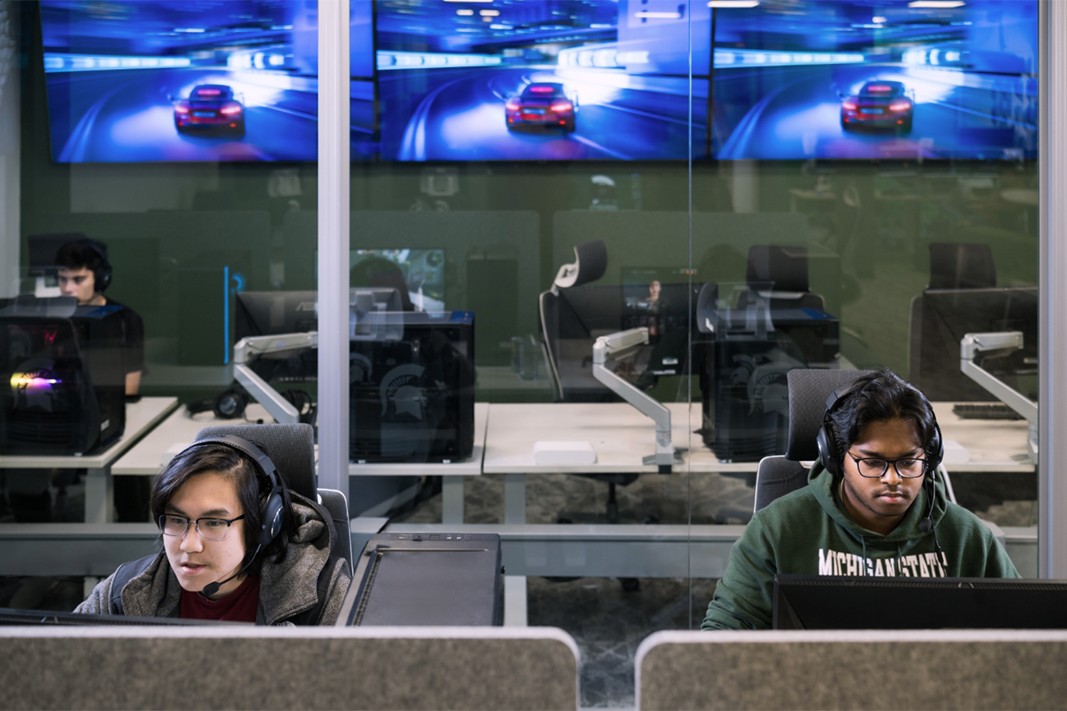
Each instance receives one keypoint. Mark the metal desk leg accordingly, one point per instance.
(515, 601)
(452, 499)
(514, 498)
(99, 496)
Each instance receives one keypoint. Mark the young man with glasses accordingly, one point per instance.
(875, 508)
(211, 503)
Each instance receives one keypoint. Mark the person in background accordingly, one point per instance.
(85, 273)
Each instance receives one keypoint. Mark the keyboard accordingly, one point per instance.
(985, 411)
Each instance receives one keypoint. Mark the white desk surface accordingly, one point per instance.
(145, 458)
(471, 466)
(621, 436)
(140, 416)
(181, 428)
(992, 445)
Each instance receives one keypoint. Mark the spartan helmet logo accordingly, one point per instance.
(400, 386)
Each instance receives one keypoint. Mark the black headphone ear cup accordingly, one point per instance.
(827, 444)
(102, 277)
(102, 274)
(271, 516)
(937, 448)
(230, 404)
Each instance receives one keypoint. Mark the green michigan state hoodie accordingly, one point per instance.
(809, 532)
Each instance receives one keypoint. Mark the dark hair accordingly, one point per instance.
(878, 396)
(252, 490)
(75, 255)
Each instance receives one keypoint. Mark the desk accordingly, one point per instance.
(181, 428)
(140, 417)
(451, 473)
(990, 445)
(146, 457)
(621, 436)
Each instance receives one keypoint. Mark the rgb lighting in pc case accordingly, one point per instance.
(61, 380)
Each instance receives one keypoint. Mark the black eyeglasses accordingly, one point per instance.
(874, 468)
(211, 529)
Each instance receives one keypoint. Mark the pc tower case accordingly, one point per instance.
(63, 382)
(745, 398)
(412, 399)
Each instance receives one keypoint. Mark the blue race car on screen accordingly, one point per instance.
(542, 104)
(211, 106)
(879, 104)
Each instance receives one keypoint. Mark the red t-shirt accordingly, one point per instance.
(238, 606)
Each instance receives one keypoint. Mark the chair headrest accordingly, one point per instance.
(590, 263)
(808, 390)
(787, 267)
(290, 446)
(962, 265)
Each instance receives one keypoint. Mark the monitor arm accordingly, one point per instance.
(619, 344)
(972, 344)
(249, 349)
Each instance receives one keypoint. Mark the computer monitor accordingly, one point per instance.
(949, 314)
(656, 298)
(270, 313)
(11, 616)
(41, 250)
(428, 579)
(412, 399)
(419, 274)
(831, 602)
(64, 382)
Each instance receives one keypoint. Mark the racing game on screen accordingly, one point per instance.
(467, 80)
(193, 80)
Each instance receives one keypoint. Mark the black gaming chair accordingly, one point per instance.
(808, 391)
(292, 448)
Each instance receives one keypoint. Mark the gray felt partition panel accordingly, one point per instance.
(288, 668)
(921, 669)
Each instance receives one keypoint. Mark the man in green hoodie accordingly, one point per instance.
(873, 506)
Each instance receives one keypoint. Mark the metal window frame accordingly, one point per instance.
(1052, 338)
(333, 240)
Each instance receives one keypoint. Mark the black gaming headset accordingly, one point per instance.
(832, 456)
(102, 274)
(272, 512)
(831, 452)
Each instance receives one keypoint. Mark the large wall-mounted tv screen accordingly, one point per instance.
(483, 80)
(194, 80)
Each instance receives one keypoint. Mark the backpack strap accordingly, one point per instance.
(125, 573)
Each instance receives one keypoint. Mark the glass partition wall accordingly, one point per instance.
(760, 186)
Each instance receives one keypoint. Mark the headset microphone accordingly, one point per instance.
(212, 588)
